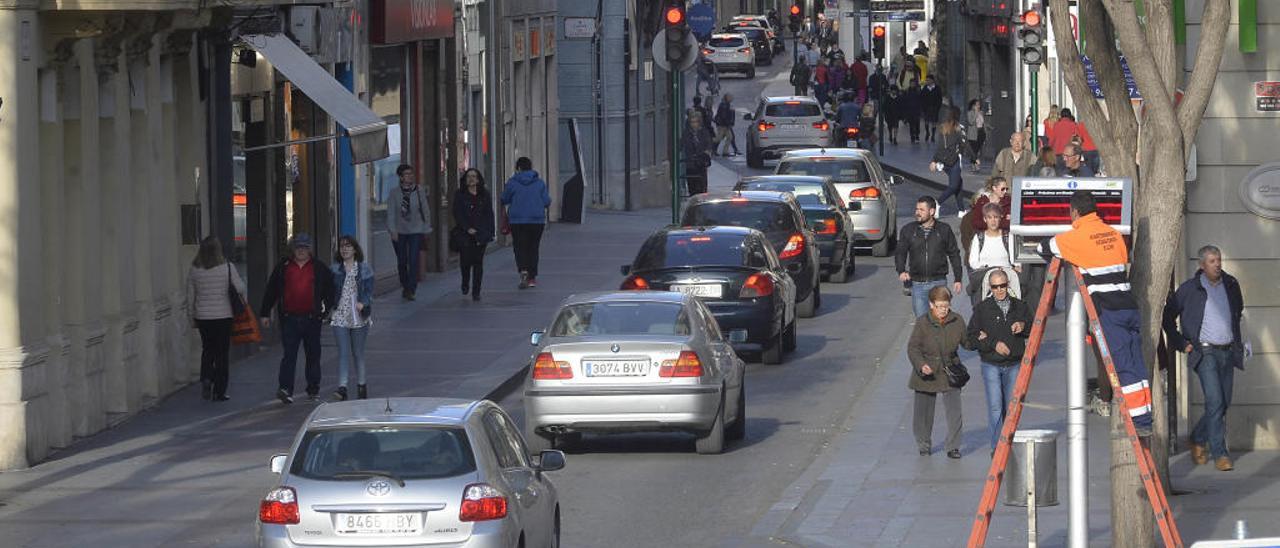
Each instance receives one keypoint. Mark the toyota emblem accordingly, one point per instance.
(615, 348)
(378, 488)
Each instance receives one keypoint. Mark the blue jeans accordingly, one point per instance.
(350, 348)
(998, 381)
(920, 295)
(1216, 378)
(407, 247)
(1122, 328)
(954, 185)
(304, 330)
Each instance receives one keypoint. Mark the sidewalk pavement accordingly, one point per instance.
(912, 161)
(871, 489)
(190, 472)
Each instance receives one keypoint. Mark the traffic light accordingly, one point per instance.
(796, 14)
(877, 41)
(676, 31)
(1031, 45)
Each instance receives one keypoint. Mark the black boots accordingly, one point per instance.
(362, 391)
(340, 394)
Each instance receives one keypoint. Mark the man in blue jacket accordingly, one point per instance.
(526, 200)
(1210, 306)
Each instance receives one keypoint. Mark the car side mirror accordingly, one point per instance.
(855, 206)
(748, 117)
(277, 463)
(535, 338)
(625, 269)
(738, 336)
(895, 180)
(550, 461)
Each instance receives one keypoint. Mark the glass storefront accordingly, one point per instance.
(389, 100)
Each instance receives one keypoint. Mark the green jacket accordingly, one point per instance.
(936, 344)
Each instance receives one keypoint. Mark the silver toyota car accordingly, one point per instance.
(635, 361)
(411, 472)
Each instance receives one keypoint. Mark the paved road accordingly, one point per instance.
(653, 490)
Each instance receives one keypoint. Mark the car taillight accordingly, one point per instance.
(239, 199)
(708, 51)
(279, 507)
(851, 131)
(826, 226)
(634, 283)
(823, 125)
(757, 285)
(546, 368)
(482, 502)
(744, 50)
(868, 193)
(794, 247)
(687, 365)
(765, 126)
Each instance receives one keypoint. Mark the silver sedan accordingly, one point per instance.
(411, 472)
(635, 361)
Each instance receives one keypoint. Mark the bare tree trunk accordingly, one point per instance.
(938, 41)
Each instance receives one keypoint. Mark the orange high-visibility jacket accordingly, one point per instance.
(1101, 255)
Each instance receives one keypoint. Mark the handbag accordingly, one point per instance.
(244, 328)
(237, 301)
(957, 374)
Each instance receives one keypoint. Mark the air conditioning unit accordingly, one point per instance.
(304, 26)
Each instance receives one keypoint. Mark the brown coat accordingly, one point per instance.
(934, 343)
(1009, 168)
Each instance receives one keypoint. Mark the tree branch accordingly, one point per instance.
(1213, 38)
(1106, 63)
(1142, 62)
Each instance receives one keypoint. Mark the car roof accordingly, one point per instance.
(727, 230)
(838, 152)
(405, 410)
(750, 195)
(729, 35)
(793, 98)
(815, 179)
(625, 296)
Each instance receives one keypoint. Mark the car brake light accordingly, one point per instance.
(744, 50)
(791, 102)
(795, 246)
(823, 125)
(851, 131)
(827, 226)
(765, 126)
(700, 239)
(708, 51)
(868, 193)
(635, 283)
(757, 285)
(482, 502)
(546, 368)
(239, 199)
(687, 365)
(279, 507)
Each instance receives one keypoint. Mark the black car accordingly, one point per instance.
(823, 210)
(759, 39)
(734, 271)
(779, 217)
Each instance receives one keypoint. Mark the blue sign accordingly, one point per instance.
(702, 19)
(1091, 77)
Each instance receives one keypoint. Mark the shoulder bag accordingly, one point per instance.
(957, 374)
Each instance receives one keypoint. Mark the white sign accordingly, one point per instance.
(579, 27)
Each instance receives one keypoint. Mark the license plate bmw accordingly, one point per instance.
(616, 368)
(712, 291)
(407, 523)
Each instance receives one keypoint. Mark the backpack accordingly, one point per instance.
(1004, 237)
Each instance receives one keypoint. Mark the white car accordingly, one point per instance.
(731, 53)
(780, 124)
(858, 179)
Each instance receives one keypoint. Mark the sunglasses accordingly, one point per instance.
(999, 286)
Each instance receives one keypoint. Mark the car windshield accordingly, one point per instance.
(754, 33)
(343, 454)
(805, 193)
(840, 170)
(767, 217)
(621, 318)
(674, 250)
(726, 42)
(793, 109)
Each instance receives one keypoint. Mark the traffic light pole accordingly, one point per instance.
(1035, 108)
(676, 163)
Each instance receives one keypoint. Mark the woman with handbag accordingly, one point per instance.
(351, 318)
(215, 295)
(936, 369)
(472, 229)
(951, 147)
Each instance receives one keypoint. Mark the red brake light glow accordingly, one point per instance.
(546, 368)
(823, 125)
(635, 283)
(687, 365)
(239, 199)
(791, 102)
(868, 193)
(851, 131)
(794, 247)
(708, 51)
(482, 502)
(700, 239)
(279, 507)
(744, 50)
(757, 285)
(827, 226)
(765, 126)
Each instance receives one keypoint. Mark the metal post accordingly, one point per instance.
(1077, 415)
(1035, 107)
(1032, 533)
(676, 164)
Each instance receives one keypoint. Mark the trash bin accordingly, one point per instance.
(1046, 464)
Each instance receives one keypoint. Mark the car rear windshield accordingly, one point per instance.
(840, 170)
(793, 110)
(403, 452)
(805, 193)
(756, 34)
(671, 250)
(621, 318)
(767, 217)
(726, 42)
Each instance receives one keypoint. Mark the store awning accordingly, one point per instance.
(367, 131)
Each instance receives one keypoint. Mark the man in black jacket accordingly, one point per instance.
(1210, 306)
(998, 331)
(925, 246)
(302, 287)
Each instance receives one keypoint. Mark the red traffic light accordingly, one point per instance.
(1031, 18)
(878, 31)
(675, 15)
(795, 9)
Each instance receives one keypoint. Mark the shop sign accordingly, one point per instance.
(519, 41)
(549, 38)
(1267, 96)
(580, 27)
(1260, 191)
(397, 21)
(535, 41)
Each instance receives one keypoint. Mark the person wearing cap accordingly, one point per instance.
(301, 289)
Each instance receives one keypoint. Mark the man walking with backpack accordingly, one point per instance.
(526, 199)
(409, 222)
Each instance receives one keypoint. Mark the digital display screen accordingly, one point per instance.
(1052, 206)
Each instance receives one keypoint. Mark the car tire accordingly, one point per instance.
(712, 442)
(753, 158)
(771, 354)
(751, 72)
(536, 442)
(883, 247)
(789, 338)
(841, 273)
(738, 429)
(808, 308)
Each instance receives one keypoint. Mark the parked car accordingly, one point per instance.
(735, 272)
(780, 218)
(731, 53)
(630, 361)
(411, 471)
(780, 124)
(824, 211)
(859, 179)
(759, 38)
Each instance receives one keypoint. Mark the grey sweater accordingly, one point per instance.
(207, 291)
(417, 220)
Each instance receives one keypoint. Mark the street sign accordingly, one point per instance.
(1091, 78)
(897, 5)
(702, 19)
(660, 52)
(579, 27)
(899, 16)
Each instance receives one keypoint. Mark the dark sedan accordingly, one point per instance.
(734, 271)
(779, 217)
(823, 210)
(759, 39)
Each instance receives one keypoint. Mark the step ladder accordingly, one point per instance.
(1146, 466)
